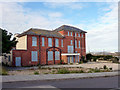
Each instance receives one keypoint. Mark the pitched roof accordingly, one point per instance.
(43, 32)
(69, 28)
(50, 33)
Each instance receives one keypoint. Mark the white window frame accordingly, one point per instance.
(43, 41)
(78, 34)
(34, 56)
(57, 55)
(57, 42)
(62, 43)
(50, 55)
(49, 42)
(34, 41)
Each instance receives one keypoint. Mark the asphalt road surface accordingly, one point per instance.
(100, 82)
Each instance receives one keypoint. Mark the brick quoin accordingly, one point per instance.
(42, 50)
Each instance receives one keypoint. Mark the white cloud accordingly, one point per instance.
(69, 5)
(104, 33)
(15, 18)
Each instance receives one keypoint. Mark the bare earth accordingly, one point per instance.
(51, 68)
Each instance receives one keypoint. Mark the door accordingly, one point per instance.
(76, 59)
(18, 61)
(68, 59)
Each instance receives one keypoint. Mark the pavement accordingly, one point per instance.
(16, 78)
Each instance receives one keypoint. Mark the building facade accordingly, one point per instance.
(38, 46)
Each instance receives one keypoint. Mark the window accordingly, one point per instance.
(82, 35)
(50, 42)
(34, 56)
(50, 55)
(34, 41)
(71, 33)
(75, 34)
(78, 35)
(68, 33)
(56, 42)
(75, 43)
(43, 42)
(71, 42)
(57, 55)
(76, 51)
(61, 43)
(70, 49)
(79, 44)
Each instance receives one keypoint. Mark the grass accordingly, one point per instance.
(36, 73)
(3, 71)
(63, 71)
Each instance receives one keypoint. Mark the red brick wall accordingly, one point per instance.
(26, 54)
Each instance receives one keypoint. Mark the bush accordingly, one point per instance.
(63, 71)
(105, 67)
(75, 71)
(110, 68)
(80, 62)
(3, 71)
(36, 72)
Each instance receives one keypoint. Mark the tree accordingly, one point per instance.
(7, 43)
(89, 56)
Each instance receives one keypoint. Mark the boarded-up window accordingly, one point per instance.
(50, 55)
(56, 42)
(34, 56)
(43, 41)
(50, 42)
(34, 41)
(75, 43)
(61, 43)
(57, 55)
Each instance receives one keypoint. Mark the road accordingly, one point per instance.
(100, 82)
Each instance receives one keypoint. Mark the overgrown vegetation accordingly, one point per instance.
(91, 57)
(36, 73)
(3, 71)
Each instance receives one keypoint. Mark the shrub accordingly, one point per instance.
(3, 71)
(80, 62)
(63, 71)
(110, 68)
(75, 71)
(36, 72)
(104, 67)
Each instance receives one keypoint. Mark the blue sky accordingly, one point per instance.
(99, 19)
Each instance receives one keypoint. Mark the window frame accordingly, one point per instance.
(57, 57)
(71, 34)
(34, 41)
(62, 43)
(75, 43)
(33, 55)
(50, 57)
(43, 41)
(49, 42)
(56, 42)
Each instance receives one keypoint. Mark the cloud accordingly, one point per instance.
(103, 34)
(69, 5)
(16, 19)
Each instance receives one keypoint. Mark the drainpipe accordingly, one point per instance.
(54, 49)
(39, 50)
(81, 46)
